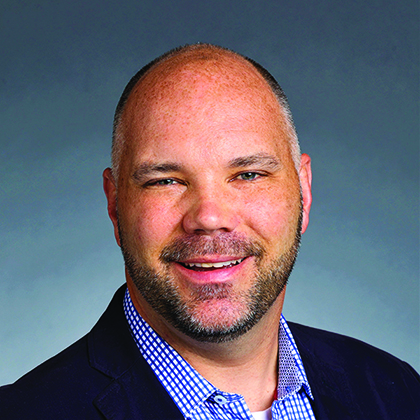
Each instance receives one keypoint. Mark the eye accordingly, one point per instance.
(161, 182)
(165, 182)
(248, 176)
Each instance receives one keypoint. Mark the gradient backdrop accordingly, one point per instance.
(351, 71)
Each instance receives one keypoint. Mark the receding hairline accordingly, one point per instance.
(174, 58)
(182, 57)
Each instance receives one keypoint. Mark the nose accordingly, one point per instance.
(210, 213)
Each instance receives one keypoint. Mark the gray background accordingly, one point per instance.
(350, 69)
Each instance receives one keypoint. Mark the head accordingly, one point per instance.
(208, 193)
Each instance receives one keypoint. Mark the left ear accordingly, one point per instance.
(305, 177)
(111, 195)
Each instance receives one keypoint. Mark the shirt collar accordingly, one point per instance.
(185, 385)
(292, 375)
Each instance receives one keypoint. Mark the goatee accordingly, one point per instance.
(162, 294)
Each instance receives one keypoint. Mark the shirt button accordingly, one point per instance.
(220, 399)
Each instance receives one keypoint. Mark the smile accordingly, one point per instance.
(211, 265)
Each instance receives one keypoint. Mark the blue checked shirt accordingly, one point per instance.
(198, 399)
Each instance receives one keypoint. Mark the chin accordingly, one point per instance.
(216, 321)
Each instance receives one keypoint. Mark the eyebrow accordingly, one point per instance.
(260, 159)
(146, 169)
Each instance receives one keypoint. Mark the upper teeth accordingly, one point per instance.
(214, 265)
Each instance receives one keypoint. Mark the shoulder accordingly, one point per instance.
(343, 350)
(66, 385)
(54, 386)
(368, 378)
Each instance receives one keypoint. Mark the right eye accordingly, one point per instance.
(161, 182)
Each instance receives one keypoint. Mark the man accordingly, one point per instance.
(209, 195)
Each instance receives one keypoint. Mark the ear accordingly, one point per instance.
(305, 176)
(111, 195)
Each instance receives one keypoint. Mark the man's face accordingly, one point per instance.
(209, 209)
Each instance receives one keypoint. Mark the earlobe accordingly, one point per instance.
(111, 196)
(305, 177)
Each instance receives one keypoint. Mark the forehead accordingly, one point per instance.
(204, 97)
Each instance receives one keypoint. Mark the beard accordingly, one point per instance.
(159, 290)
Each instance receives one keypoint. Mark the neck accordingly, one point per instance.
(247, 365)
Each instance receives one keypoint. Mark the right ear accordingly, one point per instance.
(110, 189)
(305, 177)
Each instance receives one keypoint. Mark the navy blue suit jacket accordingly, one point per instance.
(104, 376)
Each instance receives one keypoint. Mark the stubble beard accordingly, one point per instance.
(162, 294)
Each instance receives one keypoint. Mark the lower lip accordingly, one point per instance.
(219, 275)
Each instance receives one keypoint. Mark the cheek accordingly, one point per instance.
(274, 217)
(152, 223)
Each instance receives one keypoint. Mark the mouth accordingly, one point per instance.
(211, 266)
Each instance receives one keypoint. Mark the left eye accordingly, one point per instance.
(165, 182)
(248, 176)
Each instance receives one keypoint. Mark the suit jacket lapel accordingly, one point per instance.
(331, 390)
(328, 380)
(135, 392)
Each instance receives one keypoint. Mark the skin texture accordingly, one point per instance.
(206, 176)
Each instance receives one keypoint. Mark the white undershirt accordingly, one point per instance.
(262, 415)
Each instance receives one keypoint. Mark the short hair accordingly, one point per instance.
(117, 133)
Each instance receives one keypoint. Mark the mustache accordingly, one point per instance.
(229, 244)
